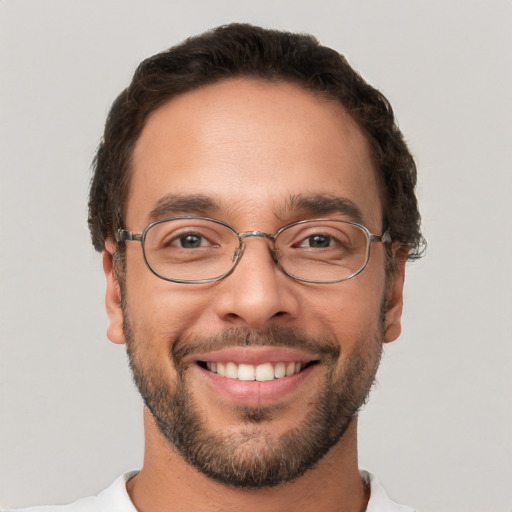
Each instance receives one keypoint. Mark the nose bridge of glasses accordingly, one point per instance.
(260, 234)
(257, 234)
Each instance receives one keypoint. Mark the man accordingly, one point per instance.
(254, 203)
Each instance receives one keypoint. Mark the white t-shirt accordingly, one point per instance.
(116, 499)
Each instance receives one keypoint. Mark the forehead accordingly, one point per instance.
(252, 146)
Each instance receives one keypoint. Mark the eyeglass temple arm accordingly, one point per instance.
(385, 238)
(122, 235)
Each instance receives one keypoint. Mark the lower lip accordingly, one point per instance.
(243, 392)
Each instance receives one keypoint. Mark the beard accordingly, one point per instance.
(251, 457)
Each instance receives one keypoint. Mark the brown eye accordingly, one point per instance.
(190, 241)
(319, 241)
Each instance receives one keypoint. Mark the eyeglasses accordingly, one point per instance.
(198, 250)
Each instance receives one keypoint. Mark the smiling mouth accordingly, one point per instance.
(250, 372)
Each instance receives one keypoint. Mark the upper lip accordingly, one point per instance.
(255, 355)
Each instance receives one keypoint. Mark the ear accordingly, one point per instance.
(115, 332)
(393, 314)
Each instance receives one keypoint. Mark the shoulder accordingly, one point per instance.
(83, 505)
(379, 500)
(114, 497)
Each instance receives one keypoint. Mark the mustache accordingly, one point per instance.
(322, 347)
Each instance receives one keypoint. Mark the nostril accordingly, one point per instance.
(279, 314)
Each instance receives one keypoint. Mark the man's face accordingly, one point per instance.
(258, 156)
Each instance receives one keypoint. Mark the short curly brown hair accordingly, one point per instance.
(245, 50)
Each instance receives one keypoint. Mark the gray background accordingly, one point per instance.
(437, 430)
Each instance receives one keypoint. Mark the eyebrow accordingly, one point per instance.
(302, 204)
(325, 204)
(195, 204)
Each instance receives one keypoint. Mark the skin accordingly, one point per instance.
(250, 145)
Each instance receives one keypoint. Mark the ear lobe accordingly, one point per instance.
(394, 303)
(115, 332)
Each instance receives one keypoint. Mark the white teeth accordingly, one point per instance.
(264, 372)
(290, 369)
(231, 371)
(221, 369)
(245, 372)
(261, 372)
(279, 370)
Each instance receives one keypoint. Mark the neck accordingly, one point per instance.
(166, 478)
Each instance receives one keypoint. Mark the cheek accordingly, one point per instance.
(352, 311)
(160, 311)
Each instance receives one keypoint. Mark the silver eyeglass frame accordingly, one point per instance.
(123, 235)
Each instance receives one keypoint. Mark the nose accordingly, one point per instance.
(257, 293)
